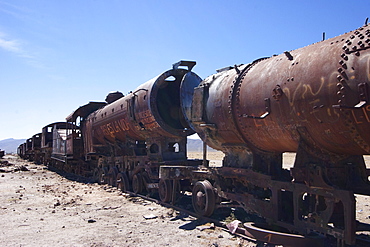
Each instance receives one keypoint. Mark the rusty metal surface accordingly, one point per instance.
(313, 101)
(152, 120)
(153, 109)
(85, 110)
(323, 88)
(274, 237)
(294, 206)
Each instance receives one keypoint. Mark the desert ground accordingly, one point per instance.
(39, 207)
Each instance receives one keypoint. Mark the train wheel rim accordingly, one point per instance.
(102, 175)
(203, 198)
(122, 182)
(112, 177)
(137, 183)
(165, 190)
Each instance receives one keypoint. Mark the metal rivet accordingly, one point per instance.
(343, 55)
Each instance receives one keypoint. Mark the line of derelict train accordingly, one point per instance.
(313, 101)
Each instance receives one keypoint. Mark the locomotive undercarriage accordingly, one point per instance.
(135, 166)
(293, 206)
(317, 199)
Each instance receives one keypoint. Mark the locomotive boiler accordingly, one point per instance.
(156, 113)
(129, 136)
(312, 101)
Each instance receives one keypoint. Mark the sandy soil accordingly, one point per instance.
(39, 207)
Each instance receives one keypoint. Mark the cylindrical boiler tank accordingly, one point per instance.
(318, 94)
(159, 107)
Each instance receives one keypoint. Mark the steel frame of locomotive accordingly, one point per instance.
(312, 101)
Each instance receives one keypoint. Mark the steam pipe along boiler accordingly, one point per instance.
(126, 140)
(313, 101)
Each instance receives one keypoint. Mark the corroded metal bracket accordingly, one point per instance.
(272, 237)
(189, 64)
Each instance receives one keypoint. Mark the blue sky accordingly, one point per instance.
(58, 55)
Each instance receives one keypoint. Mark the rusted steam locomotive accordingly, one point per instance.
(312, 101)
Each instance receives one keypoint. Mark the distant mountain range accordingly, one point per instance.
(10, 145)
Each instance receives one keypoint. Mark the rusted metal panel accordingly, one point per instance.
(153, 109)
(321, 87)
(176, 172)
(274, 237)
(85, 110)
(313, 101)
(198, 105)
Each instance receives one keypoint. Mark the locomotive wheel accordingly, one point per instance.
(137, 183)
(203, 198)
(103, 176)
(96, 174)
(165, 190)
(146, 180)
(122, 182)
(112, 177)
